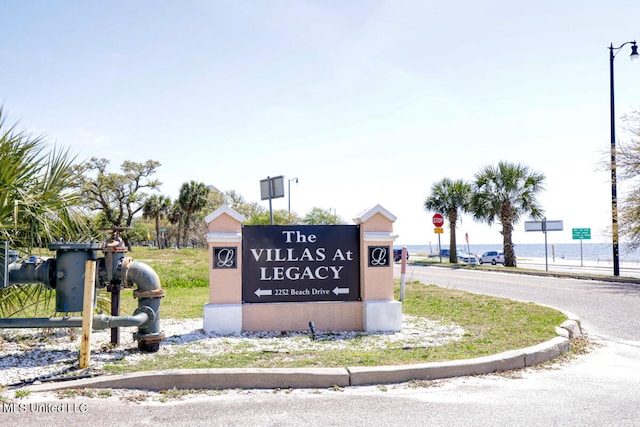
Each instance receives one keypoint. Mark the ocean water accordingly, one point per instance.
(600, 252)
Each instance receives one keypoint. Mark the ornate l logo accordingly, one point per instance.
(379, 256)
(224, 257)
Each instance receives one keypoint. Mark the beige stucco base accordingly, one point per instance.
(326, 316)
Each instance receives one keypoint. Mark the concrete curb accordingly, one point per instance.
(509, 360)
(266, 378)
(223, 378)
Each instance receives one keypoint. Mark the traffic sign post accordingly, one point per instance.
(581, 234)
(544, 226)
(466, 237)
(438, 221)
(271, 188)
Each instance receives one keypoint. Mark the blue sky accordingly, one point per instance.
(365, 102)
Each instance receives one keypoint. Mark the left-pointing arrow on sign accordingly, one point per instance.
(260, 292)
(339, 291)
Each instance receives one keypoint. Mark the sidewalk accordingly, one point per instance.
(602, 270)
(605, 267)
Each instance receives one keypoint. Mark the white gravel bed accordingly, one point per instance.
(33, 354)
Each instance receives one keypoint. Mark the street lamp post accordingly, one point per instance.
(614, 191)
(289, 194)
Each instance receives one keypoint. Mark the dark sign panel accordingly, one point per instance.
(300, 263)
(379, 256)
(225, 257)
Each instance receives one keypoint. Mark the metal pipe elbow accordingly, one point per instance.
(140, 274)
(148, 293)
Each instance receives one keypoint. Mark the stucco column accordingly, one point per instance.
(223, 313)
(381, 311)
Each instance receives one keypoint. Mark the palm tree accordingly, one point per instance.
(450, 198)
(192, 198)
(37, 203)
(156, 207)
(506, 193)
(175, 217)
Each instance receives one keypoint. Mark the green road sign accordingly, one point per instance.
(581, 233)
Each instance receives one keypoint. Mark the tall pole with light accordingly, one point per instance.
(614, 190)
(289, 194)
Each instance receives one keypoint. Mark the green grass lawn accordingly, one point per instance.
(491, 325)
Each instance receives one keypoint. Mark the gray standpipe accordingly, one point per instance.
(148, 293)
(65, 275)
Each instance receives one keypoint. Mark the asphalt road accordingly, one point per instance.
(601, 388)
(627, 269)
(607, 309)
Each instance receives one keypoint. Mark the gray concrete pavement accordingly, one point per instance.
(598, 268)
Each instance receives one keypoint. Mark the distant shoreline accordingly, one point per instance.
(587, 252)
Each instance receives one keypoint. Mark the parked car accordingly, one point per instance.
(462, 256)
(467, 257)
(444, 253)
(493, 257)
(397, 255)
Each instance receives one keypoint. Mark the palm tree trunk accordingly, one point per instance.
(509, 253)
(186, 228)
(158, 232)
(453, 249)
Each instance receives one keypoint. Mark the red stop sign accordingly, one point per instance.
(438, 220)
